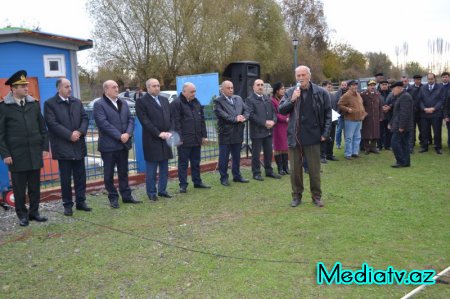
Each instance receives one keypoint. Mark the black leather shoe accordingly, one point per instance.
(318, 202)
(273, 175)
(396, 166)
(240, 180)
(438, 151)
(83, 207)
(258, 177)
(202, 186)
(38, 218)
(68, 211)
(356, 156)
(333, 158)
(23, 222)
(183, 190)
(131, 200)
(153, 198)
(225, 183)
(164, 194)
(423, 150)
(114, 204)
(295, 202)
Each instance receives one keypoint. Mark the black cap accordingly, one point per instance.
(351, 82)
(397, 83)
(417, 77)
(18, 78)
(378, 74)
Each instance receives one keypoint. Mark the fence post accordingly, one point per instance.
(139, 147)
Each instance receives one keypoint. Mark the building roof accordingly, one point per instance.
(16, 34)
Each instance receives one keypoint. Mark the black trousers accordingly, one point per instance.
(77, 169)
(20, 181)
(188, 154)
(427, 124)
(266, 144)
(326, 147)
(111, 160)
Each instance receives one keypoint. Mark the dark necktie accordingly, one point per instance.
(22, 103)
(231, 101)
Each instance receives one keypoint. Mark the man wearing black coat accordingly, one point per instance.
(401, 125)
(189, 123)
(231, 114)
(431, 102)
(262, 119)
(153, 111)
(115, 128)
(23, 144)
(67, 123)
(309, 107)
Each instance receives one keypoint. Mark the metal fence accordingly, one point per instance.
(94, 162)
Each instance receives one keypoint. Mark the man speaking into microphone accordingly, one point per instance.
(309, 107)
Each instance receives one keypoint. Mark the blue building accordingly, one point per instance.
(46, 57)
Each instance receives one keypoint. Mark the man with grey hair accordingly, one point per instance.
(189, 123)
(309, 107)
(115, 128)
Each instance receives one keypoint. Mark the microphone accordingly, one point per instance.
(297, 86)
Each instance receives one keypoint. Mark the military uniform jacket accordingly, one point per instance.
(23, 135)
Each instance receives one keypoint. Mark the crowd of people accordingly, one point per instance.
(295, 126)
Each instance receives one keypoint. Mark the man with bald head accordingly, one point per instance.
(231, 114)
(67, 124)
(189, 123)
(262, 119)
(115, 128)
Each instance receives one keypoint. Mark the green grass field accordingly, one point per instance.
(243, 241)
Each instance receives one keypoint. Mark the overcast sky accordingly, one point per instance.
(373, 26)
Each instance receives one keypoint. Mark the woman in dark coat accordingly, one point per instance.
(280, 145)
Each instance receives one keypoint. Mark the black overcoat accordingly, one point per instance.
(154, 119)
(62, 118)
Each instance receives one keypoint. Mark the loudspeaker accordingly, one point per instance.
(242, 74)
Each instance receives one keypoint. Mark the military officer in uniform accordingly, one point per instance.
(23, 144)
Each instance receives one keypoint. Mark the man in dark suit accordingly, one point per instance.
(67, 123)
(115, 128)
(23, 144)
(431, 101)
(262, 119)
(231, 114)
(189, 122)
(153, 111)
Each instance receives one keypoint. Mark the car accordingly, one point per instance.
(169, 94)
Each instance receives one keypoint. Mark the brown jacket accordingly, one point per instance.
(355, 102)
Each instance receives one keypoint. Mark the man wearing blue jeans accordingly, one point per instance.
(351, 106)
(153, 111)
